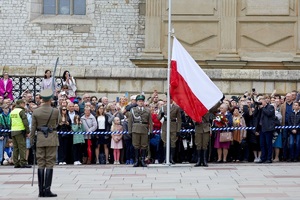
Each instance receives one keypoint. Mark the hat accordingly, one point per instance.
(47, 94)
(133, 97)
(140, 97)
(78, 98)
(75, 101)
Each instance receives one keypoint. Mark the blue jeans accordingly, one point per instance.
(1, 149)
(294, 138)
(266, 145)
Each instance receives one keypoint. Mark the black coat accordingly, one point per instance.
(267, 118)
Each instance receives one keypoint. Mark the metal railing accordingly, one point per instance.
(32, 84)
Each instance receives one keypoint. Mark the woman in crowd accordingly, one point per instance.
(64, 125)
(222, 147)
(6, 87)
(102, 126)
(78, 140)
(70, 82)
(238, 135)
(90, 125)
(47, 81)
(155, 141)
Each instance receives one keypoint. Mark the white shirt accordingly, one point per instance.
(101, 122)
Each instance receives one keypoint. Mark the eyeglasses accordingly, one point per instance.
(64, 109)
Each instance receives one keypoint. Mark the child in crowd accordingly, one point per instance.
(116, 139)
(8, 153)
(78, 140)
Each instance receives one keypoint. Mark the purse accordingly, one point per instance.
(226, 137)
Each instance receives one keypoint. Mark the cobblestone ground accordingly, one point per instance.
(218, 181)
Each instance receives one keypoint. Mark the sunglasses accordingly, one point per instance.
(64, 109)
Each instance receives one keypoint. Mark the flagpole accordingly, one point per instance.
(168, 88)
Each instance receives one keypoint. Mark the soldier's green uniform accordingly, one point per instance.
(19, 130)
(139, 125)
(175, 126)
(202, 135)
(46, 144)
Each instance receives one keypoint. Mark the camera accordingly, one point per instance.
(258, 103)
(253, 89)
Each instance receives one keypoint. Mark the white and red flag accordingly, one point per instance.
(190, 87)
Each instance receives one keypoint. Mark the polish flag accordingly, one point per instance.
(190, 87)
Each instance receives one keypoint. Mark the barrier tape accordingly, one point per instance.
(158, 131)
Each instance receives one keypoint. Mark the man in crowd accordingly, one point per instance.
(267, 124)
(286, 109)
(19, 132)
(86, 98)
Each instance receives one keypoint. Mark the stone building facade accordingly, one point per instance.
(120, 46)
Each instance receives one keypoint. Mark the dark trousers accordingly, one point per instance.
(64, 145)
(285, 140)
(129, 154)
(266, 145)
(77, 152)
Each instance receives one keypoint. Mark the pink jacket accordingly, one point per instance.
(9, 88)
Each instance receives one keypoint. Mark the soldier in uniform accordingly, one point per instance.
(46, 141)
(139, 125)
(175, 126)
(19, 131)
(202, 135)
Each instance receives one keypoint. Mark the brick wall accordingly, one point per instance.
(115, 34)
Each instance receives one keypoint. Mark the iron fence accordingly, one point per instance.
(33, 84)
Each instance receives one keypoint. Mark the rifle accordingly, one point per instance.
(34, 158)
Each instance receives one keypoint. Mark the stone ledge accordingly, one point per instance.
(155, 73)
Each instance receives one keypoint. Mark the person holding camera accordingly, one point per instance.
(19, 131)
(44, 122)
(69, 81)
(265, 128)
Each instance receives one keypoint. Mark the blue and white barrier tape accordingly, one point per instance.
(158, 131)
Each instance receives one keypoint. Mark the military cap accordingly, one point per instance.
(140, 97)
(47, 94)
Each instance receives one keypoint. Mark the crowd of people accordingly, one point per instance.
(190, 141)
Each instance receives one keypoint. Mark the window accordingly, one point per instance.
(64, 7)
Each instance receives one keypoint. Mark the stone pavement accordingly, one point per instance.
(279, 181)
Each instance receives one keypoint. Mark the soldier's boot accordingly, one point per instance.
(198, 158)
(41, 180)
(143, 164)
(137, 155)
(204, 158)
(171, 156)
(48, 182)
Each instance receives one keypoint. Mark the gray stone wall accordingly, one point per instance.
(112, 34)
(113, 82)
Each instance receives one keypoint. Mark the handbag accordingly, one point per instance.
(226, 137)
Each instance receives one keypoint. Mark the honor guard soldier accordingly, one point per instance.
(175, 126)
(44, 122)
(140, 125)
